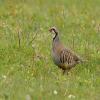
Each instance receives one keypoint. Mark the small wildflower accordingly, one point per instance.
(71, 96)
(55, 92)
(93, 22)
(33, 45)
(4, 76)
(28, 97)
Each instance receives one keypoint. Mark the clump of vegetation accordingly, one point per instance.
(26, 69)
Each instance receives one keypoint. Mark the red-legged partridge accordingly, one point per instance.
(62, 57)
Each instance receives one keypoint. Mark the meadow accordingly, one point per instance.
(27, 71)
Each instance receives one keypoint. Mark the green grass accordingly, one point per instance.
(28, 72)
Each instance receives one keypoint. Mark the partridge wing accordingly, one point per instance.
(66, 56)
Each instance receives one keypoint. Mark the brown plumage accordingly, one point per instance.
(62, 57)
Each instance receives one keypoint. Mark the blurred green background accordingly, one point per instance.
(27, 71)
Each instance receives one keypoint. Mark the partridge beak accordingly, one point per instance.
(50, 30)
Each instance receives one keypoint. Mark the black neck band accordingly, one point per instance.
(55, 35)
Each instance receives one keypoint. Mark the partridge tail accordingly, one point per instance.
(81, 60)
